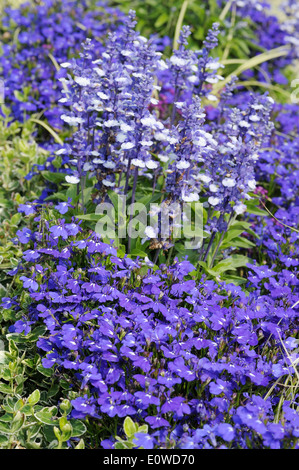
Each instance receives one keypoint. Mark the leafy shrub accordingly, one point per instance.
(19, 154)
(27, 421)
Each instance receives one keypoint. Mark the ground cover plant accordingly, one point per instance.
(147, 332)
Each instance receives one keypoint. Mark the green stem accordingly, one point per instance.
(179, 24)
(209, 246)
(156, 255)
(132, 203)
(220, 241)
(230, 34)
(225, 10)
(169, 256)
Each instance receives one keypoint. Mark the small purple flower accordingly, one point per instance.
(219, 387)
(7, 302)
(50, 360)
(107, 444)
(83, 408)
(226, 431)
(147, 398)
(22, 326)
(157, 422)
(29, 283)
(91, 287)
(143, 440)
(59, 231)
(125, 410)
(24, 235)
(72, 229)
(31, 255)
(26, 208)
(63, 207)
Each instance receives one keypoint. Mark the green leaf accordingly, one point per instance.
(80, 445)
(242, 242)
(253, 209)
(37, 332)
(5, 429)
(19, 96)
(121, 252)
(72, 192)
(114, 198)
(9, 404)
(26, 409)
(64, 384)
(124, 445)
(3, 441)
(237, 280)
(57, 162)
(53, 390)
(48, 432)
(231, 263)
(19, 404)
(13, 348)
(54, 443)
(6, 111)
(30, 338)
(120, 445)
(208, 270)
(269, 86)
(136, 252)
(130, 427)
(17, 422)
(15, 219)
(245, 226)
(53, 177)
(47, 415)
(231, 234)
(59, 195)
(162, 19)
(143, 428)
(6, 418)
(78, 428)
(46, 372)
(91, 217)
(20, 388)
(253, 62)
(5, 388)
(34, 397)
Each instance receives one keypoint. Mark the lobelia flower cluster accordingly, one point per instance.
(36, 38)
(279, 236)
(165, 349)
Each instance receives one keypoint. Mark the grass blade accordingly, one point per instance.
(49, 129)
(179, 24)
